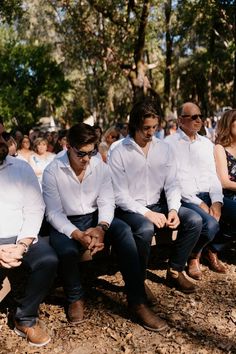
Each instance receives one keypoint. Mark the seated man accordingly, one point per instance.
(22, 210)
(201, 188)
(142, 167)
(79, 199)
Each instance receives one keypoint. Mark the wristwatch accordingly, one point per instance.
(105, 227)
(25, 246)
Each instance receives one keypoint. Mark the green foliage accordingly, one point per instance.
(27, 76)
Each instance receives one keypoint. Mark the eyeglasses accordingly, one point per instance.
(193, 117)
(82, 154)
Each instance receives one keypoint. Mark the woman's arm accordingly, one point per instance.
(222, 168)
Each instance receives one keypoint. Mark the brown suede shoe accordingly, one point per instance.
(214, 263)
(76, 311)
(147, 318)
(178, 280)
(151, 298)
(193, 269)
(35, 335)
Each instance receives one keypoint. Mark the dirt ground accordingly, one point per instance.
(199, 323)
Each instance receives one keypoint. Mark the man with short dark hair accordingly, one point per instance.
(78, 193)
(22, 210)
(142, 168)
(200, 187)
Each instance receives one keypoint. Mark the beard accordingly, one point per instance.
(3, 152)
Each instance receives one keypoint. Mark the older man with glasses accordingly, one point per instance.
(201, 188)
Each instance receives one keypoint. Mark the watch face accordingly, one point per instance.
(103, 226)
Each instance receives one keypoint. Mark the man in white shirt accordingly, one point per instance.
(78, 193)
(142, 168)
(200, 187)
(22, 210)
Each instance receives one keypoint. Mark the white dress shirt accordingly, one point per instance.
(196, 167)
(21, 203)
(138, 180)
(65, 195)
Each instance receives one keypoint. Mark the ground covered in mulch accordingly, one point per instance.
(199, 323)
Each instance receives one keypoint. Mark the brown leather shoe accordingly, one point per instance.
(214, 263)
(193, 269)
(178, 280)
(76, 311)
(147, 318)
(35, 335)
(151, 298)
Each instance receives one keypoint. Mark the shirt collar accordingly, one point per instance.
(130, 141)
(65, 163)
(184, 136)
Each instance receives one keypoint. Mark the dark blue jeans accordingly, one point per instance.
(143, 230)
(210, 226)
(41, 261)
(120, 237)
(227, 231)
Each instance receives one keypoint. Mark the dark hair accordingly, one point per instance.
(146, 108)
(223, 128)
(21, 141)
(81, 134)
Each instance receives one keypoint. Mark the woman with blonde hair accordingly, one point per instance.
(41, 158)
(225, 157)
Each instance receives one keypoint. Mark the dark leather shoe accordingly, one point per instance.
(193, 269)
(76, 311)
(214, 263)
(151, 298)
(147, 318)
(178, 280)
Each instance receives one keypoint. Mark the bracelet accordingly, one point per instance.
(25, 245)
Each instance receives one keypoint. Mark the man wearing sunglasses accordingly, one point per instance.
(201, 188)
(78, 193)
(22, 210)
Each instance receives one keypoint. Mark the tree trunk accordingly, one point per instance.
(169, 42)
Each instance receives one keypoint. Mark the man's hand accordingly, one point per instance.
(215, 210)
(97, 239)
(80, 236)
(157, 219)
(173, 219)
(205, 207)
(11, 255)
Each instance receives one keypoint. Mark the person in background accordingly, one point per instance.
(200, 187)
(98, 131)
(61, 144)
(225, 157)
(24, 151)
(110, 136)
(41, 158)
(22, 210)
(11, 143)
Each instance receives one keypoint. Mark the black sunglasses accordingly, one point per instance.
(82, 154)
(194, 116)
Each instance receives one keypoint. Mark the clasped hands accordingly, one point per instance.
(160, 220)
(91, 239)
(11, 255)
